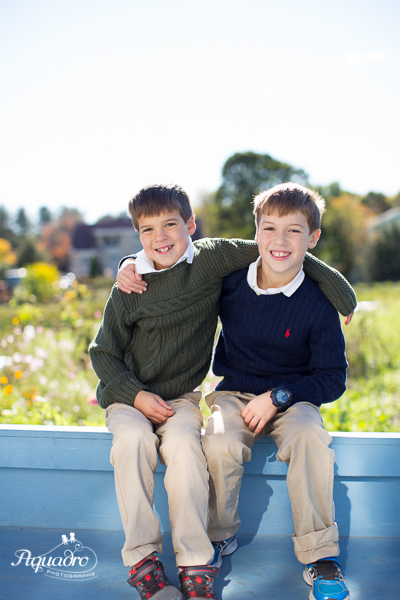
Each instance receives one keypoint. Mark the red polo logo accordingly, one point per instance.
(287, 333)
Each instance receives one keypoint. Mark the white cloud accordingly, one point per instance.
(365, 58)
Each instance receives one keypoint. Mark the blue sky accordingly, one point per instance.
(101, 97)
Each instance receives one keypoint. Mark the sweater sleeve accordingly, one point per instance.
(327, 381)
(116, 382)
(335, 287)
(234, 254)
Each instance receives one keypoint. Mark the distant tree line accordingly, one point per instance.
(347, 242)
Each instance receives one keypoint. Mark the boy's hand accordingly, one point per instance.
(128, 280)
(153, 407)
(348, 318)
(258, 412)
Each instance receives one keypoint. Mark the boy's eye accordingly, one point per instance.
(146, 230)
(170, 224)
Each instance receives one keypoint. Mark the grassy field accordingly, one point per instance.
(46, 375)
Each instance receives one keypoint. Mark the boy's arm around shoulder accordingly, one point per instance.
(227, 256)
(117, 383)
(335, 287)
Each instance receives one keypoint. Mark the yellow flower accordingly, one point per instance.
(4, 380)
(18, 374)
(15, 321)
(8, 390)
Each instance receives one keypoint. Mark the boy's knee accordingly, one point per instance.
(225, 447)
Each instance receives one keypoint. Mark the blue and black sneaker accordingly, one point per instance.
(326, 580)
(223, 548)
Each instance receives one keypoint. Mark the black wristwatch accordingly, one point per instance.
(281, 398)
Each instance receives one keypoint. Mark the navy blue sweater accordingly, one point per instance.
(271, 340)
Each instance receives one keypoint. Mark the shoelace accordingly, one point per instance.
(199, 584)
(149, 580)
(326, 569)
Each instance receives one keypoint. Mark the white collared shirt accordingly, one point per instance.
(144, 264)
(288, 289)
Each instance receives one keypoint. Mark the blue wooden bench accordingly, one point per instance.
(58, 480)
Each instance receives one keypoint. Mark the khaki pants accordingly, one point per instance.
(134, 458)
(303, 443)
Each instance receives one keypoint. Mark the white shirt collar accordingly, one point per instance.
(144, 264)
(288, 289)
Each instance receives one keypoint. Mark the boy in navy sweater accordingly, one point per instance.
(281, 354)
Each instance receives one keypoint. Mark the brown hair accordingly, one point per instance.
(156, 199)
(287, 198)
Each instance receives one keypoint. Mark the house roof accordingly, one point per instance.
(84, 234)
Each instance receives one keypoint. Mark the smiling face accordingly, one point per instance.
(282, 242)
(165, 237)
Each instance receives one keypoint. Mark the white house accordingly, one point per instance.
(104, 245)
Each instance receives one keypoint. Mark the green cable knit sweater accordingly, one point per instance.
(161, 341)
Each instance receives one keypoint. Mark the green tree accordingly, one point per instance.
(344, 235)
(377, 202)
(228, 212)
(44, 216)
(28, 252)
(22, 221)
(384, 254)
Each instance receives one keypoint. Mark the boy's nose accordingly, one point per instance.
(161, 234)
(280, 238)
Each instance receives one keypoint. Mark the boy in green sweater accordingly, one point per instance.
(151, 351)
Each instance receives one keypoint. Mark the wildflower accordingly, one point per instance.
(18, 374)
(29, 332)
(8, 389)
(97, 314)
(15, 321)
(39, 329)
(38, 399)
(92, 400)
(4, 380)
(71, 375)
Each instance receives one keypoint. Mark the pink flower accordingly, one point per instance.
(92, 400)
(97, 314)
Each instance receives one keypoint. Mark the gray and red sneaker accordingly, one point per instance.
(149, 579)
(197, 583)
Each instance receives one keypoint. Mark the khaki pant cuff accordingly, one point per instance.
(192, 560)
(316, 545)
(132, 558)
(219, 535)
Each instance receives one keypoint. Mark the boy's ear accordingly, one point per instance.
(314, 238)
(191, 225)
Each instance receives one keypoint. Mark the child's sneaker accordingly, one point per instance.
(224, 548)
(326, 580)
(197, 583)
(149, 579)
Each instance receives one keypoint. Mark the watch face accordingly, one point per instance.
(281, 396)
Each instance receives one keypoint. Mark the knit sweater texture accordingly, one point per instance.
(161, 341)
(273, 340)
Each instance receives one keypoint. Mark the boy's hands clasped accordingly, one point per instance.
(153, 407)
(258, 412)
